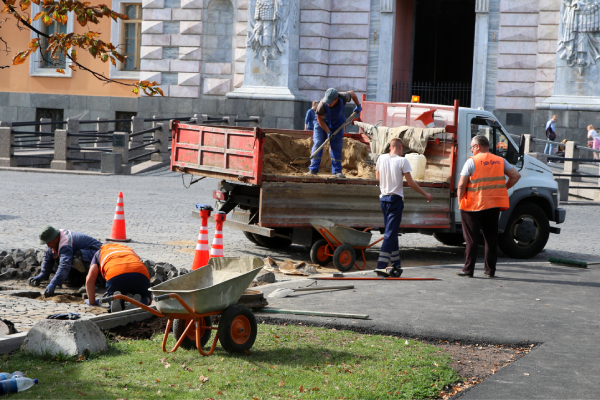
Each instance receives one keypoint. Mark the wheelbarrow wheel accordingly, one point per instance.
(344, 258)
(190, 341)
(318, 253)
(237, 329)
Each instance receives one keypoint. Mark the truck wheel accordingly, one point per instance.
(250, 237)
(319, 251)
(190, 341)
(450, 239)
(526, 232)
(237, 329)
(272, 242)
(344, 258)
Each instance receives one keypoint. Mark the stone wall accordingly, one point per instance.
(334, 40)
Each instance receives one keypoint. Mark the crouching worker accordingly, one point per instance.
(124, 273)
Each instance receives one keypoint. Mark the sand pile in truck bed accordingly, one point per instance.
(280, 150)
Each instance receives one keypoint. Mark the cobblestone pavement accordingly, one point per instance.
(158, 215)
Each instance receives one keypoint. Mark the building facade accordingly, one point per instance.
(269, 58)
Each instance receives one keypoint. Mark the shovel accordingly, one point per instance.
(302, 160)
(280, 293)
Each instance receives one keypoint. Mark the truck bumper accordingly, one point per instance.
(560, 215)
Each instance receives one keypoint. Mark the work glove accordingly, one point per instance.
(357, 109)
(49, 290)
(68, 316)
(35, 281)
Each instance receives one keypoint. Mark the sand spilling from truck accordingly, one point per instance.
(280, 150)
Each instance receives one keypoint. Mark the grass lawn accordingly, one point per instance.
(295, 362)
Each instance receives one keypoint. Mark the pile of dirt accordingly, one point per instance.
(66, 298)
(138, 330)
(280, 150)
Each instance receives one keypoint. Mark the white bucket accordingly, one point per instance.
(418, 163)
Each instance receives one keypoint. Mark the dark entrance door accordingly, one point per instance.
(443, 36)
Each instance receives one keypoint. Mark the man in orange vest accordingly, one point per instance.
(123, 271)
(482, 194)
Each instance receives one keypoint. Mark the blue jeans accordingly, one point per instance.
(336, 144)
(549, 149)
(392, 207)
(133, 282)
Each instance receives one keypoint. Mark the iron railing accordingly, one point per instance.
(432, 93)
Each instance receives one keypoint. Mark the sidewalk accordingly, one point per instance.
(552, 306)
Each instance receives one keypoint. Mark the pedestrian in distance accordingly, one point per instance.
(550, 135)
(123, 272)
(594, 140)
(482, 195)
(391, 170)
(311, 116)
(68, 255)
(329, 117)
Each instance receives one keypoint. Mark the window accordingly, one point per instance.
(500, 144)
(132, 36)
(126, 35)
(124, 126)
(45, 66)
(53, 114)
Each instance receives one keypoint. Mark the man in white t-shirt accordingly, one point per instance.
(391, 169)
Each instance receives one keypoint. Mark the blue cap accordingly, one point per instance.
(35, 381)
(203, 207)
(330, 95)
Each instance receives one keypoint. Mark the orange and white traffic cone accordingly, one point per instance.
(427, 118)
(201, 256)
(118, 233)
(217, 245)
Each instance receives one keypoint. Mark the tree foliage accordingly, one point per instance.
(68, 44)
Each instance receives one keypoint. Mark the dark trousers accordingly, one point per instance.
(133, 282)
(392, 207)
(485, 221)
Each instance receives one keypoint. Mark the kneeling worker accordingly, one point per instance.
(124, 273)
(69, 254)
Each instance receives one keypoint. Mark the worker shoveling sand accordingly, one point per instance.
(280, 150)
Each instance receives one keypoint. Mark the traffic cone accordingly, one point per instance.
(201, 256)
(217, 246)
(118, 233)
(427, 118)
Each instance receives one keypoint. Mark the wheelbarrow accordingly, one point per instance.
(189, 302)
(339, 244)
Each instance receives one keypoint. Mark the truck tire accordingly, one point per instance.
(272, 242)
(450, 239)
(526, 232)
(250, 237)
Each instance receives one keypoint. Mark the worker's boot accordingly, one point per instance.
(117, 304)
(78, 265)
(395, 272)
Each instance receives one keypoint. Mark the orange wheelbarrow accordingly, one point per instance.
(189, 302)
(339, 244)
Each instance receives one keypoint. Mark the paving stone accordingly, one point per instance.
(8, 260)
(68, 337)
(32, 261)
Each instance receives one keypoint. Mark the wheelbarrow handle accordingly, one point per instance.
(162, 297)
(106, 299)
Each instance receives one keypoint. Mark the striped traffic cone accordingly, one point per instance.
(201, 256)
(427, 118)
(118, 233)
(217, 246)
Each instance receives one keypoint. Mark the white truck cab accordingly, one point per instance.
(524, 228)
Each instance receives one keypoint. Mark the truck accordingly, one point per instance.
(275, 210)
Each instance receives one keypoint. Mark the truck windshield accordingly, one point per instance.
(500, 144)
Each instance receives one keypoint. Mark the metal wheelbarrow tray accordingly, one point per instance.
(339, 244)
(189, 302)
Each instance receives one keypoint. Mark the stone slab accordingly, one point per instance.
(66, 337)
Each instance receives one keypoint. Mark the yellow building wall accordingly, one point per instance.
(17, 79)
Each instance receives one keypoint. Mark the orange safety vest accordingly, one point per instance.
(487, 186)
(117, 259)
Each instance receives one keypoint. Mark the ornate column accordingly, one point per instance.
(577, 81)
(480, 53)
(272, 52)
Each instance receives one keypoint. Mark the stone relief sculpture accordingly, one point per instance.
(579, 45)
(269, 28)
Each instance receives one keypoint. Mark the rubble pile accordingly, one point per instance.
(19, 264)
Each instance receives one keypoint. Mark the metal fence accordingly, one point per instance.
(432, 93)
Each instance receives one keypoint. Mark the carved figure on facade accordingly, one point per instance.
(579, 44)
(269, 23)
